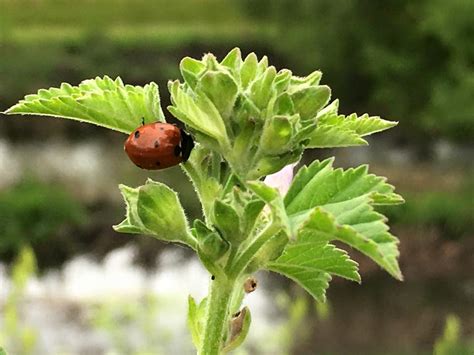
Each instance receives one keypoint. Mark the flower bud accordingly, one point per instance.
(210, 243)
(226, 219)
(248, 70)
(276, 136)
(310, 100)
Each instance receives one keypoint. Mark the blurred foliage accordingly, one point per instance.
(133, 327)
(34, 212)
(451, 212)
(291, 331)
(18, 338)
(451, 343)
(412, 61)
(47, 42)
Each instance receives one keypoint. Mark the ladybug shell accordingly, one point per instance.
(155, 146)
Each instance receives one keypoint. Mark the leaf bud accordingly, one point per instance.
(276, 135)
(210, 242)
(227, 221)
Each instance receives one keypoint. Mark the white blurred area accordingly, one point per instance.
(88, 168)
(60, 305)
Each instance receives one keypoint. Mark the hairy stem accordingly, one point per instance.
(217, 316)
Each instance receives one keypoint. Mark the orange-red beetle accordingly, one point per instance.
(158, 146)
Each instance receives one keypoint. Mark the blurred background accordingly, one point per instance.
(70, 285)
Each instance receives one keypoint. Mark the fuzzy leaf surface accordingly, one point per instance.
(335, 130)
(155, 209)
(101, 101)
(198, 112)
(310, 260)
(348, 196)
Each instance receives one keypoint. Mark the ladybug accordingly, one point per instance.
(158, 146)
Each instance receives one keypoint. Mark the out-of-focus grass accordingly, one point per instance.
(126, 21)
(82, 12)
(33, 212)
(18, 338)
(450, 211)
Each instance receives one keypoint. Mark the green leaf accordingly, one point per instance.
(227, 221)
(298, 83)
(321, 184)
(282, 80)
(335, 130)
(261, 89)
(161, 212)
(325, 136)
(233, 60)
(197, 112)
(192, 322)
(310, 260)
(100, 101)
(257, 251)
(210, 243)
(155, 209)
(131, 223)
(191, 69)
(248, 70)
(361, 125)
(272, 198)
(348, 196)
(251, 212)
(284, 105)
(196, 313)
(221, 89)
(276, 135)
(310, 100)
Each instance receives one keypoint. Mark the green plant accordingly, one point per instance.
(450, 211)
(387, 61)
(249, 121)
(32, 212)
(116, 317)
(451, 343)
(18, 339)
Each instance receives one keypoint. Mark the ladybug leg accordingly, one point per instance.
(143, 121)
(187, 145)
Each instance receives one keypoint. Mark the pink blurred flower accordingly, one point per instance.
(281, 180)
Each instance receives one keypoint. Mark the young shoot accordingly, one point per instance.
(249, 124)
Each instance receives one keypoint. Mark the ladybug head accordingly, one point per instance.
(187, 145)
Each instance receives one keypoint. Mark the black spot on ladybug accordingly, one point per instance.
(177, 151)
(161, 128)
(158, 163)
(137, 134)
(157, 144)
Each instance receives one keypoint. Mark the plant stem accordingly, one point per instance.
(241, 261)
(217, 316)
